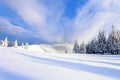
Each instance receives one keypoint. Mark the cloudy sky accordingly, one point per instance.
(39, 21)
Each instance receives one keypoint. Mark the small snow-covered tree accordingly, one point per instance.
(16, 44)
(22, 45)
(82, 48)
(26, 45)
(76, 47)
(92, 46)
(6, 42)
(2, 43)
(66, 51)
(88, 48)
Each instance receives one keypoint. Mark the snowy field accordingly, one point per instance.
(19, 64)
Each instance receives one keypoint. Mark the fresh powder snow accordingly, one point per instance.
(36, 64)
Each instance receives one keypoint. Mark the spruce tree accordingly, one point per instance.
(112, 42)
(26, 45)
(22, 45)
(101, 42)
(93, 46)
(16, 44)
(76, 47)
(6, 42)
(118, 43)
(82, 48)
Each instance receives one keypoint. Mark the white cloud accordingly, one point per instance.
(43, 19)
(46, 21)
(96, 15)
(7, 27)
(30, 11)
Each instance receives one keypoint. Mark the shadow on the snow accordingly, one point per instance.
(108, 57)
(107, 72)
(6, 75)
(111, 63)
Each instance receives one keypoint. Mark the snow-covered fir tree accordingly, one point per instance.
(16, 44)
(2, 43)
(82, 48)
(113, 42)
(88, 48)
(118, 36)
(6, 42)
(66, 51)
(26, 45)
(76, 48)
(92, 46)
(101, 42)
(22, 45)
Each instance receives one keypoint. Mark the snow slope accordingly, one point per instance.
(18, 64)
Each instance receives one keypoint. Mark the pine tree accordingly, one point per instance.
(66, 51)
(2, 43)
(76, 47)
(22, 45)
(101, 42)
(92, 46)
(82, 48)
(88, 48)
(26, 45)
(112, 42)
(118, 43)
(16, 44)
(6, 42)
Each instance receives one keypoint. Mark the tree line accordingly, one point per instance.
(6, 43)
(101, 44)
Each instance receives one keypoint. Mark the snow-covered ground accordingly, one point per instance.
(34, 64)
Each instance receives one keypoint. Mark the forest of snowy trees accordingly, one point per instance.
(101, 44)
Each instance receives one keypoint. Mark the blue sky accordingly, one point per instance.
(38, 21)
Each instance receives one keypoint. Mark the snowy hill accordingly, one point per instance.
(51, 48)
(19, 64)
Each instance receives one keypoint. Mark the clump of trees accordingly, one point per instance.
(6, 43)
(101, 44)
(79, 48)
